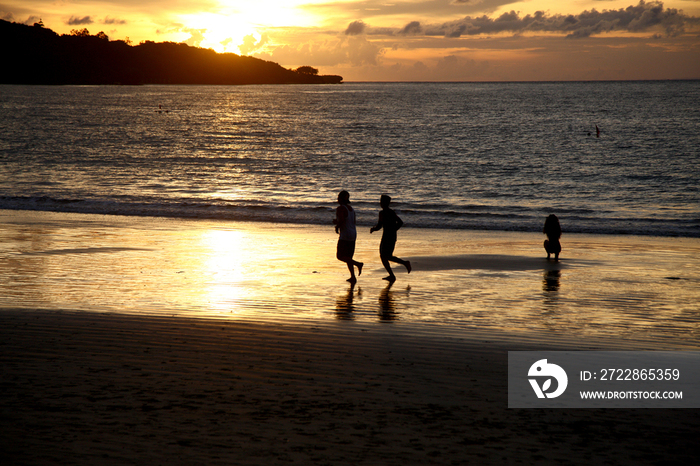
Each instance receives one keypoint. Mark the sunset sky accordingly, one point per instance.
(415, 40)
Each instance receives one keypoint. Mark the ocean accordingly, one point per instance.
(615, 158)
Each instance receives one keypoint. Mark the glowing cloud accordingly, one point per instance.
(412, 39)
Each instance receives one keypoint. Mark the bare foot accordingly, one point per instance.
(390, 278)
(359, 268)
(408, 266)
(352, 280)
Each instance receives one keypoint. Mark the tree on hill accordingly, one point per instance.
(80, 33)
(307, 70)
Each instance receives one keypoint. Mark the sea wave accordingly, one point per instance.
(447, 154)
(512, 218)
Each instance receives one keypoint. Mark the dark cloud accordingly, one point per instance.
(412, 28)
(640, 18)
(75, 21)
(114, 21)
(355, 28)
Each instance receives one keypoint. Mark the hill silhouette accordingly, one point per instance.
(37, 55)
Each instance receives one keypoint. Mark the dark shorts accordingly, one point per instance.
(386, 248)
(346, 249)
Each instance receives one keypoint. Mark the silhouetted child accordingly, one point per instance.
(345, 226)
(553, 231)
(390, 222)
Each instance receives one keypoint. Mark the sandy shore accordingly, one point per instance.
(642, 290)
(87, 388)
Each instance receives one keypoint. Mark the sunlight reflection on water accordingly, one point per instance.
(613, 287)
(492, 156)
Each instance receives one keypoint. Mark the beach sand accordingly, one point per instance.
(147, 341)
(89, 388)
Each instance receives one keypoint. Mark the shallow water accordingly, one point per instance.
(605, 287)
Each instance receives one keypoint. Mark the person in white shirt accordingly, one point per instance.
(345, 226)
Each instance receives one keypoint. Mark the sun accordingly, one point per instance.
(218, 32)
(236, 22)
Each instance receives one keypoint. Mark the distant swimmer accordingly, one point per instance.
(390, 222)
(553, 231)
(345, 226)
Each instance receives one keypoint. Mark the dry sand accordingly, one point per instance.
(88, 388)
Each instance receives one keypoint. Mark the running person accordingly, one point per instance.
(390, 222)
(345, 226)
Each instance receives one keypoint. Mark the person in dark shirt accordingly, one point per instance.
(390, 222)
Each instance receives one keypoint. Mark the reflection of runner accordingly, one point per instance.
(345, 226)
(390, 222)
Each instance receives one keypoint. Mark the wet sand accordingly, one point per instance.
(635, 289)
(145, 341)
